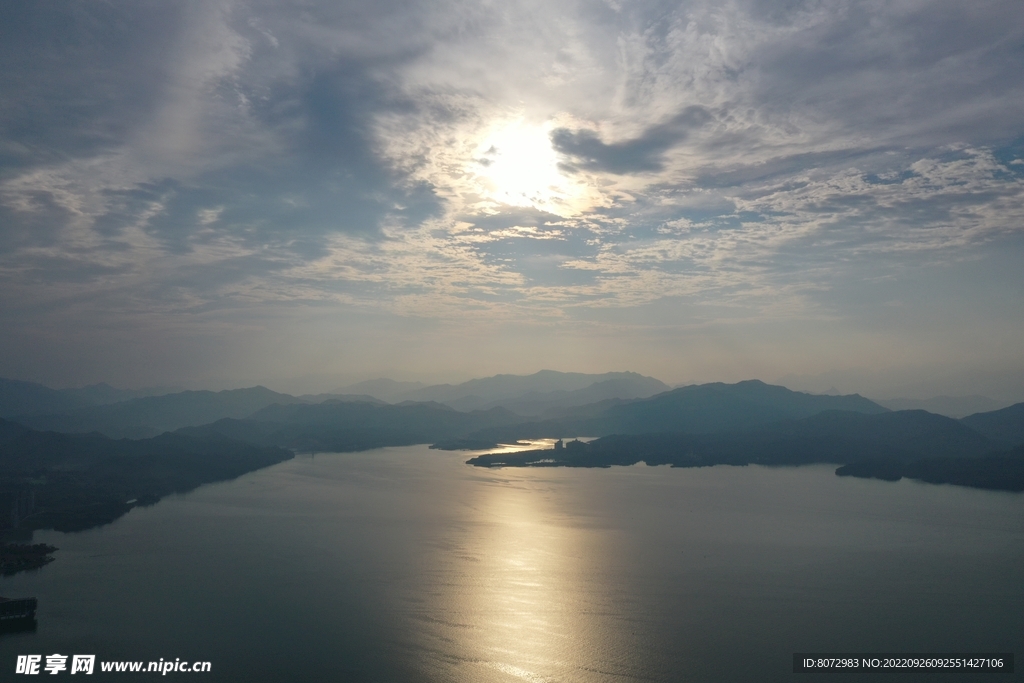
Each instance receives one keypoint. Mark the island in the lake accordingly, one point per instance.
(756, 423)
(858, 457)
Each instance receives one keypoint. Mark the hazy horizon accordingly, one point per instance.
(304, 195)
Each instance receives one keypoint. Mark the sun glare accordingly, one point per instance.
(515, 164)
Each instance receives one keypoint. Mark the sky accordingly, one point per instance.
(309, 193)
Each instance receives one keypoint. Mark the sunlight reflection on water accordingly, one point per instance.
(518, 601)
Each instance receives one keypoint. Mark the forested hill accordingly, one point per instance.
(1005, 426)
(70, 482)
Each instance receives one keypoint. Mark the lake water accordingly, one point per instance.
(404, 564)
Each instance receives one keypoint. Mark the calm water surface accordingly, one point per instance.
(404, 564)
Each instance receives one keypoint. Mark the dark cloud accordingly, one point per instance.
(78, 77)
(90, 79)
(643, 153)
(735, 176)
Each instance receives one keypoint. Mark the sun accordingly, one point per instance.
(516, 165)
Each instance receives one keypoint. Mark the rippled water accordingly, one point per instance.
(404, 564)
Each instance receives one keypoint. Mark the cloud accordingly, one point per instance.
(168, 161)
(642, 153)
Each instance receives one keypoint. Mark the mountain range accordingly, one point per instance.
(950, 406)
(524, 394)
(695, 409)
(748, 420)
(339, 426)
(71, 461)
(18, 398)
(146, 417)
(90, 410)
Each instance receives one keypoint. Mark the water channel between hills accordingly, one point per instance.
(405, 564)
